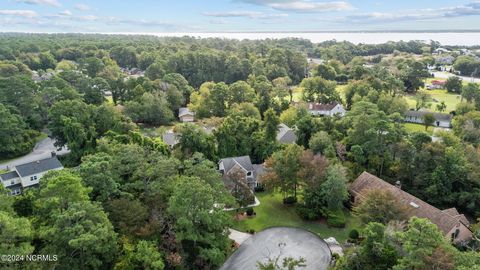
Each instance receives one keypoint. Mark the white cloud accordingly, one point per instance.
(470, 9)
(66, 12)
(308, 6)
(82, 7)
(302, 5)
(18, 13)
(54, 3)
(244, 14)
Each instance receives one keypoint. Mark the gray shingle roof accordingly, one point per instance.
(286, 134)
(184, 111)
(170, 138)
(438, 116)
(243, 161)
(39, 166)
(9, 175)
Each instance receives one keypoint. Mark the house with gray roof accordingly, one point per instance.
(286, 134)
(28, 174)
(243, 164)
(186, 115)
(441, 119)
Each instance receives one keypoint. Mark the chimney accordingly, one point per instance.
(38, 161)
(398, 184)
(54, 154)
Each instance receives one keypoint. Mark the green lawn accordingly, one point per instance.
(451, 100)
(273, 213)
(412, 127)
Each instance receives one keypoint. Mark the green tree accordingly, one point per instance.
(325, 71)
(318, 89)
(150, 109)
(143, 255)
(321, 143)
(379, 206)
(271, 123)
(200, 224)
(98, 173)
(428, 119)
(454, 84)
(334, 189)
(15, 136)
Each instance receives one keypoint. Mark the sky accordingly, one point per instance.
(189, 16)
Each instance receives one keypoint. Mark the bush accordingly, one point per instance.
(307, 213)
(336, 219)
(259, 188)
(353, 234)
(290, 200)
(250, 211)
(251, 231)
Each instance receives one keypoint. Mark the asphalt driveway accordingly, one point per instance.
(283, 242)
(43, 149)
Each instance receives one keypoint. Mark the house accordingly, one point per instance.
(445, 60)
(170, 138)
(441, 119)
(185, 115)
(29, 174)
(441, 51)
(326, 109)
(286, 134)
(453, 225)
(231, 165)
(436, 85)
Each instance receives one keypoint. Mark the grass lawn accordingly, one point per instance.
(451, 100)
(412, 127)
(273, 213)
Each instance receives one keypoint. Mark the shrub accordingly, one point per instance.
(251, 231)
(290, 200)
(336, 219)
(307, 213)
(250, 211)
(353, 234)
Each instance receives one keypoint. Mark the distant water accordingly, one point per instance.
(445, 38)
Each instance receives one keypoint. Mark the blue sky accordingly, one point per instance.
(148, 16)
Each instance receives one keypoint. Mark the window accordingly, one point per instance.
(33, 178)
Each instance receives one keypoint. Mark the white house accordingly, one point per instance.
(185, 115)
(170, 138)
(29, 174)
(326, 109)
(441, 119)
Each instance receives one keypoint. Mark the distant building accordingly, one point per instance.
(29, 174)
(441, 119)
(453, 225)
(326, 109)
(441, 51)
(185, 115)
(436, 84)
(286, 134)
(170, 138)
(231, 165)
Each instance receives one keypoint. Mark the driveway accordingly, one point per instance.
(42, 150)
(280, 242)
(446, 75)
(238, 237)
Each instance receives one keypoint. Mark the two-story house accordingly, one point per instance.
(28, 174)
(228, 166)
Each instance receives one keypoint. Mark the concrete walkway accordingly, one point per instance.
(42, 150)
(238, 237)
(256, 203)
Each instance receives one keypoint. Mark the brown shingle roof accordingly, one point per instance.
(445, 220)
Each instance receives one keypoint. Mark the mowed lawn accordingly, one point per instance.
(413, 127)
(273, 213)
(439, 95)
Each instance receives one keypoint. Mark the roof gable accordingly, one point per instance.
(38, 166)
(243, 161)
(416, 207)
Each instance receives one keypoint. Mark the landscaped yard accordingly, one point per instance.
(451, 100)
(273, 213)
(412, 127)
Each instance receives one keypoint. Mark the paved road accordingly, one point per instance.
(283, 242)
(43, 149)
(446, 75)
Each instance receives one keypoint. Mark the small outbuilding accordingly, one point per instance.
(186, 115)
